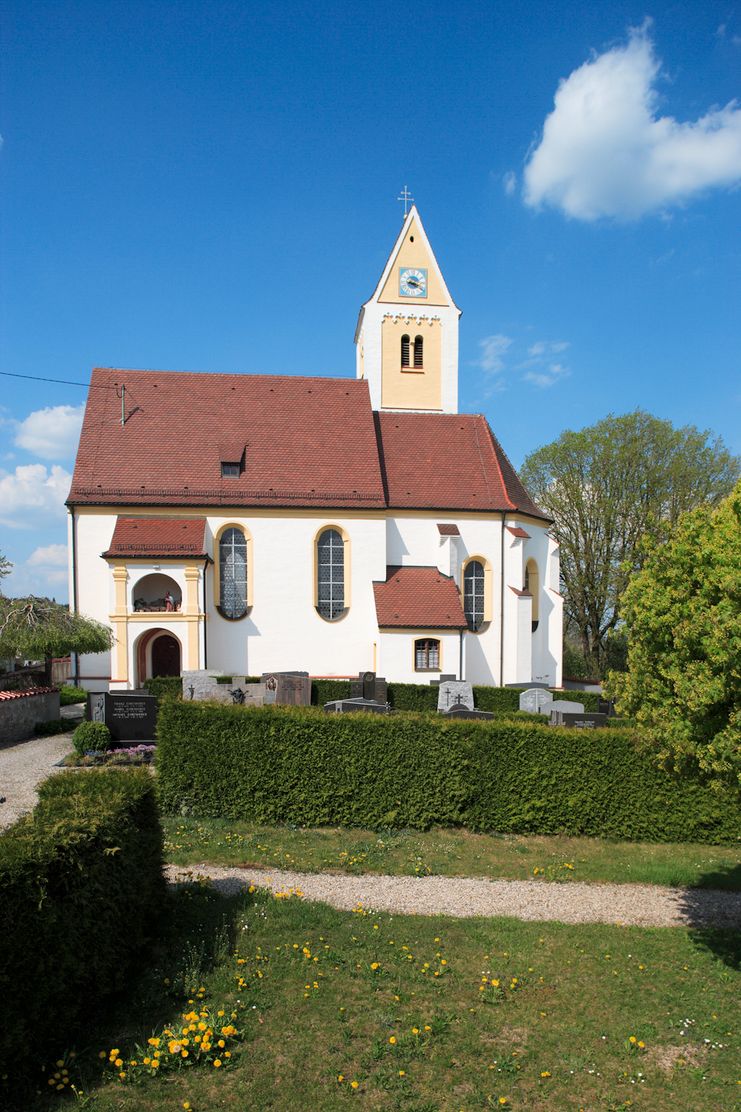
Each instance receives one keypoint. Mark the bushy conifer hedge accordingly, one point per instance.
(80, 891)
(286, 765)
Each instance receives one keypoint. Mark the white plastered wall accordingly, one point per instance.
(396, 654)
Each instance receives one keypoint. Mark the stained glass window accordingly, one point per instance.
(473, 594)
(330, 551)
(233, 573)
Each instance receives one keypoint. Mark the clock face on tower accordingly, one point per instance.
(412, 281)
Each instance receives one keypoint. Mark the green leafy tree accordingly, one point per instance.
(40, 628)
(5, 568)
(683, 616)
(608, 486)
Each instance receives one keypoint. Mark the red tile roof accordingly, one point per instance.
(5, 695)
(308, 442)
(448, 530)
(418, 598)
(447, 461)
(159, 537)
(518, 531)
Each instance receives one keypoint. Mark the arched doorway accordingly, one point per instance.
(165, 656)
(158, 653)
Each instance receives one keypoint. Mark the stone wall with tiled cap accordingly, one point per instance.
(20, 711)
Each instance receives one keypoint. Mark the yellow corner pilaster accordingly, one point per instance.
(121, 649)
(120, 580)
(192, 579)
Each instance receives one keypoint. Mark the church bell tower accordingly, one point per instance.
(407, 335)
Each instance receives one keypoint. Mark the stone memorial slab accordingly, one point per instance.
(460, 710)
(130, 715)
(349, 706)
(369, 686)
(452, 692)
(292, 689)
(581, 721)
(565, 706)
(204, 685)
(536, 701)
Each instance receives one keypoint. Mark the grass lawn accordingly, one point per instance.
(449, 852)
(335, 1010)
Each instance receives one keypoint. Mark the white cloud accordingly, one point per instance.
(547, 347)
(606, 152)
(509, 181)
(493, 350)
(547, 376)
(51, 433)
(48, 556)
(33, 493)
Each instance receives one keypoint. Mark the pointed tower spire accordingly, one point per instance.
(407, 334)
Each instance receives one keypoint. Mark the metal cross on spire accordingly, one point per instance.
(406, 197)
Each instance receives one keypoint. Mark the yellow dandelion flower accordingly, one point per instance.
(402, 1073)
(354, 1084)
(340, 1077)
(374, 965)
(392, 1040)
(217, 1063)
(545, 1073)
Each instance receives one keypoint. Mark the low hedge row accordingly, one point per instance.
(80, 891)
(284, 765)
(421, 697)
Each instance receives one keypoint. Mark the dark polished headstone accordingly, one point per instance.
(369, 686)
(129, 715)
(578, 721)
(460, 710)
(349, 706)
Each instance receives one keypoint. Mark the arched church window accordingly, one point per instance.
(233, 573)
(405, 343)
(330, 571)
(532, 586)
(418, 351)
(474, 583)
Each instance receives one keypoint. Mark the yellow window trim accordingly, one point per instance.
(488, 593)
(217, 568)
(347, 576)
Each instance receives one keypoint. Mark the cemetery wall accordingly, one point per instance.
(281, 765)
(19, 713)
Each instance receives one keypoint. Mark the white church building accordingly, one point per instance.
(252, 523)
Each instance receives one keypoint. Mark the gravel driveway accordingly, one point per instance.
(23, 765)
(640, 905)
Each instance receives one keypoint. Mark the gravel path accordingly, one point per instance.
(640, 905)
(23, 765)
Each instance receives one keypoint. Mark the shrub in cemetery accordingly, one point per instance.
(91, 735)
(291, 765)
(80, 892)
(161, 686)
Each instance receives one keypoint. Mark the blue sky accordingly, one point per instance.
(212, 187)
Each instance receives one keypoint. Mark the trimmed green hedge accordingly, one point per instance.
(285, 765)
(80, 891)
(421, 697)
(161, 686)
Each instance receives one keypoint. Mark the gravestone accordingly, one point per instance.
(129, 715)
(292, 689)
(536, 701)
(565, 706)
(580, 721)
(203, 684)
(460, 710)
(369, 686)
(348, 706)
(453, 692)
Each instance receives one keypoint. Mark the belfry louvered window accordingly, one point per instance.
(330, 563)
(233, 573)
(405, 343)
(418, 351)
(473, 594)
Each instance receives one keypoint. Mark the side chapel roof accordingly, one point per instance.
(418, 598)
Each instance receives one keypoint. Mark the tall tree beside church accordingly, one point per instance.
(5, 569)
(609, 486)
(683, 684)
